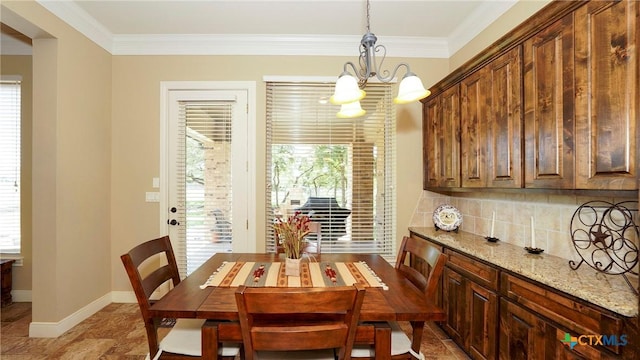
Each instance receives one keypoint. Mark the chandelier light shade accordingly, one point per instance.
(347, 90)
(351, 110)
(349, 85)
(411, 89)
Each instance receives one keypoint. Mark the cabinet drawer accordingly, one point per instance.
(481, 273)
(576, 316)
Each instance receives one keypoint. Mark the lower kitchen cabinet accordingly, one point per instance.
(493, 313)
(525, 335)
(521, 333)
(454, 300)
(483, 329)
(471, 308)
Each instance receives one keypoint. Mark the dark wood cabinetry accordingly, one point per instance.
(606, 81)
(491, 124)
(563, 86)
(471, 305)
(475, 110)
(521, 333)
(441, 139)
(493, 313)
(455, 305)
(548, 107)
(504, 131)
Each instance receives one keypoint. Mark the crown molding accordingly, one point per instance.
(234, 44)
(473, 25)
(77, 18)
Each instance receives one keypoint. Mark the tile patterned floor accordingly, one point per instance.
(103, 337)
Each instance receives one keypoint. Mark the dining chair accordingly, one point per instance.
(402, 347)
(183, 341)
(299, 323)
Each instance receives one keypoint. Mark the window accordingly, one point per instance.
(10, 119)
(315, 159)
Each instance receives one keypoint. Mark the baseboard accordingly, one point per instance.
(55, 329)
(123, 297)
(21, 295)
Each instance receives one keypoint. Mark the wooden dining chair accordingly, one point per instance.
(401, 346)
(183, 340)
(299, 323)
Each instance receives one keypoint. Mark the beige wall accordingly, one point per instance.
(21, 65)
(71, 164)
(521, 11)
(96, 149)
(136, 133)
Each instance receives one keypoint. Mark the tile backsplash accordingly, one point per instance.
(552, 217)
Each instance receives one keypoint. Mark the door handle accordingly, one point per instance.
(173, 222)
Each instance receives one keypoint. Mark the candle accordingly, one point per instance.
(533, 235)
(493, 223)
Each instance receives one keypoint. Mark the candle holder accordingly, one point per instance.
(531, 250)
(491, 239)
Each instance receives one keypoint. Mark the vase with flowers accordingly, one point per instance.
(291, 237)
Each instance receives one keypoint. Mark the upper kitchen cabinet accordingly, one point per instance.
(548, 107)
(606, 97)
(491, 124)
(441, 139)
(553, 104)
(475, 108)
(504, 126)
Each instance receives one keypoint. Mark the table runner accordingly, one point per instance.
(312, 274)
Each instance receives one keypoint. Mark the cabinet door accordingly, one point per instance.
(606, 80)
(521, 333)
(548, 107)
(430, 150)
(505, 121)
(558, 346)
(473, 124)
(454, 298)
(483, 327)
(441, 144)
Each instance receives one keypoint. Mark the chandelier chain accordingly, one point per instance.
(368, 17)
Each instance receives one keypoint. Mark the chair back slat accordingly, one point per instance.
(428, 254)
(283, 319)
(150, 253)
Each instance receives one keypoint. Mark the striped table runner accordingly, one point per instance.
(312, 274)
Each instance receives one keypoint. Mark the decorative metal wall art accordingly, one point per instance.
(606, 237)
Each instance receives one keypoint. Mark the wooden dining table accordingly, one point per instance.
(399, 300)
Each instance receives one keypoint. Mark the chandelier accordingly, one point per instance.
(348, 90)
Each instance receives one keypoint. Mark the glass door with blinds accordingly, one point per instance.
(339, 172)
(207, 180)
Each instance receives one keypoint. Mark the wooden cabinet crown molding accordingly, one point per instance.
(543, 18)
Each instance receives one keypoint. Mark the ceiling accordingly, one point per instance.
(411, 28)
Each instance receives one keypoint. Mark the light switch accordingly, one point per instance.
(156, 183)
(152, 196)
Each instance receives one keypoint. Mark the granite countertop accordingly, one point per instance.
(608, 291)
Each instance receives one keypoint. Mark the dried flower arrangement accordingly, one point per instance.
(291, 234)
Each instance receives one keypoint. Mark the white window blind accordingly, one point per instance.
(314, 158)
(10, 121)
(207, 194)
